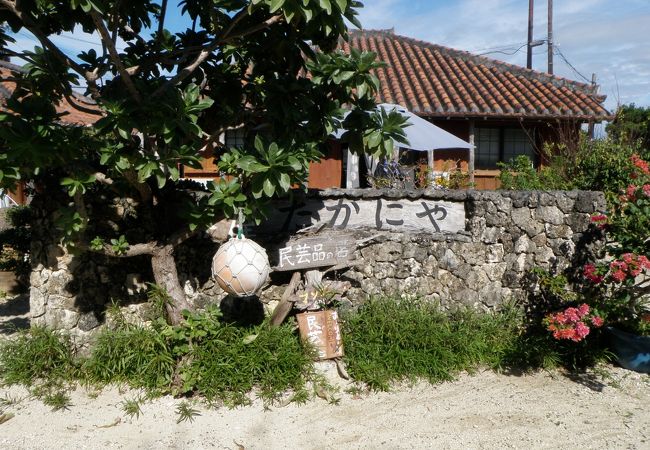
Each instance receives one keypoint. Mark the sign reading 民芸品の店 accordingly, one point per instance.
(422, 215)
(318, 251)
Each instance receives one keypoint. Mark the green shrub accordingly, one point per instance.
(140, 357)
(237, 360)
(604, 165)
(34, 355)
(521, 175)
(390, 340)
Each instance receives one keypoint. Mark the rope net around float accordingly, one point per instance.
(240, 267)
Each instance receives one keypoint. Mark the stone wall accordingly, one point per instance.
(498, 237)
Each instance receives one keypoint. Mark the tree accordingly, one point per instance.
(631, 126)
(163, 97)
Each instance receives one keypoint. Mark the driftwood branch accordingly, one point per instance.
(284, 307)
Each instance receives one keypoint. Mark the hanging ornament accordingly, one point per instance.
(240, 266)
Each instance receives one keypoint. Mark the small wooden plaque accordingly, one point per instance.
(321, 329)
(315, 251)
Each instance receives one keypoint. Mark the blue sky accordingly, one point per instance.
(610, 38)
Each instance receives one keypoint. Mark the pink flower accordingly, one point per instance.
(599, 218)
(583, 310)
(646, 190)
(644, 262)
(619, 275)
(597, 321)
(572, 315)
(631, 191)
(641, 164)
(590, 273)
(581, 332)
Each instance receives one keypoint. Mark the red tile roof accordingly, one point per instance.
(71, 115)
(436, 81)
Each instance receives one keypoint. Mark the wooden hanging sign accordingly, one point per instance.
(315, 251)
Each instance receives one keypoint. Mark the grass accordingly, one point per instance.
(228, 367)
(37, 354)
(139, 357)
(386, 340)
(185, 412)
(389, 340)
(131, 407)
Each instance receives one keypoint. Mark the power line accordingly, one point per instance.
(85, 41)
(505, 52)
(499, 47)
(557, 51)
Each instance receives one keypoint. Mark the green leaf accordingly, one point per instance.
(269, 189)
(276, 5)
(285, 182)
(326, 5)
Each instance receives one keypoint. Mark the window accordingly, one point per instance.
(235, 137)
(495, 145)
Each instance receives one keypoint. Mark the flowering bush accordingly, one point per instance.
(620, 284)
(573, 323)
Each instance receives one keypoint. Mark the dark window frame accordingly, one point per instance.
(530, 133)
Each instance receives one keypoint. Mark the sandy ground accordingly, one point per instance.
(604, 409)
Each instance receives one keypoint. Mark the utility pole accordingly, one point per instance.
(529, 53)
(550, 37)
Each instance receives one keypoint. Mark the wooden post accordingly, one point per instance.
(471, 152)
(529, 53)
(550, 37)
(352, 170)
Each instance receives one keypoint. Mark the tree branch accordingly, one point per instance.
(42, 37)
(207, 51)
(181, 236)
(133, 250)
(143, 189)
(161, 23)
(115, 57)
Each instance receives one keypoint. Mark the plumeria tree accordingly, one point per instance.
(163, 95)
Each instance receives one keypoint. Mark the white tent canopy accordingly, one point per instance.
(421, 134)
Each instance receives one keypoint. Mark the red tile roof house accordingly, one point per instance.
(503, 109)
(70, 115)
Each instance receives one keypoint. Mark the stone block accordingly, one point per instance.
(549, 214)
(388, 251)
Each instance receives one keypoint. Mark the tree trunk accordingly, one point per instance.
(166, 276)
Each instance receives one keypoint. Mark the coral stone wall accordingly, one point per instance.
(506, 234)
(456, 247)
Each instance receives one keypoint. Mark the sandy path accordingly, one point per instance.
(485, 410)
